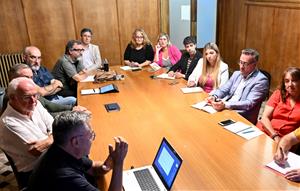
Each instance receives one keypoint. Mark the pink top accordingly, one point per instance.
(209, 84)
(174, 55)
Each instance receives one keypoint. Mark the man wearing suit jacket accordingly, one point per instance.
(91, 57)
(245, 90)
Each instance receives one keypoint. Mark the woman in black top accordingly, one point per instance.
(139, 51)
(188, 61)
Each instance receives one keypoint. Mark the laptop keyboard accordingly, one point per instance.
(145, 180)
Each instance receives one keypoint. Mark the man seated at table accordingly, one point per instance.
(188, 61)
(49, 87)
(25, 127)
(280, 157)
(69, 69)
(23, 70)
(91, 57)
(245, 90)
(63, 165)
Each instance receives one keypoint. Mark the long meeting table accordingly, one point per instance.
(213, 158)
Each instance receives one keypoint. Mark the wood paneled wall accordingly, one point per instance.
(49, 24)
(270, 26)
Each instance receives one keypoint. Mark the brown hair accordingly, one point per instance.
(295, 74)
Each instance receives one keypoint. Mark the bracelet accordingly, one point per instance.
(274, 135)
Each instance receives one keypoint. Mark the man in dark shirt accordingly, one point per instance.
(64, 165)
(188, 61)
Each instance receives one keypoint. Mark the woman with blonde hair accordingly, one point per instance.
(211, 72)
(166, 54)
(139, 51)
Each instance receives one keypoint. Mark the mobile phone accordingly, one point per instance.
(226, 122)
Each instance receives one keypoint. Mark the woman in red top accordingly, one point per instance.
(282, 112)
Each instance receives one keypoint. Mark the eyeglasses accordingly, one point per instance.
(35, 57)
(78, 50)
(27, 98)
(245, 64)
(91, 137)
(139, 37)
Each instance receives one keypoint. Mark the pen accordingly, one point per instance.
(245, 132)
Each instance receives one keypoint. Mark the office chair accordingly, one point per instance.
(268, 75)
(2, 94)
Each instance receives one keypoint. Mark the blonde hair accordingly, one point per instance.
(163, 34)
(146, 41)
(207, 68)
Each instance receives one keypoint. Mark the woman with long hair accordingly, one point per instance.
(211, 72)
(139, 51)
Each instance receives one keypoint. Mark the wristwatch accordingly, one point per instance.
(274, 135)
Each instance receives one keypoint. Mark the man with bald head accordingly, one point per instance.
(25, 126)
(49, 87)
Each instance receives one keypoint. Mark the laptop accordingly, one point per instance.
(156, 177)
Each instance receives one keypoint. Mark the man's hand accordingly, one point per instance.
(210, 99)
(118, 154)
(36, 148)
(179, 75)
(171, 74)
(218, 105)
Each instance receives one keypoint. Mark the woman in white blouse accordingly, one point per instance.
(211, 72)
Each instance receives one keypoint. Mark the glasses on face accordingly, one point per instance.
(139, 37)
(78, 50)
(27, 98)
(35, 57)
(245, 64)
(91, 136)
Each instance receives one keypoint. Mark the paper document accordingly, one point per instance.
(293, 162)
(90, 91)
(89, 79)
(203, 105)
(165, 76)
(246, 131)
(126, 68)
(191, 90)
(154, 66)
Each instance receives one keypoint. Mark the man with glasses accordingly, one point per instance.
(64, 165)
(69, 68)
(49, 87)
(25, 127)
(245, 90)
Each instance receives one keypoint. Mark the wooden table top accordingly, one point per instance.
(213, 158)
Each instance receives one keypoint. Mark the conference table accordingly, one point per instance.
(150, 109)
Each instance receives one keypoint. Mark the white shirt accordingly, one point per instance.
(16, 130)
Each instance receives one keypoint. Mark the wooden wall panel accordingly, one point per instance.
(270, 26)
(138, 14)
(13, 29)
(102, 18)
(50, 25)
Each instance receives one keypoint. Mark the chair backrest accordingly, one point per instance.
(2, 94)
(268, 75)
(14, 168)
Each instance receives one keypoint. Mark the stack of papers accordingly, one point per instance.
(293, 162)
(126, 68)
(244, 130)
(203, 105)
(90, 91)
(191, 90)
(89, 79)
(165, 76)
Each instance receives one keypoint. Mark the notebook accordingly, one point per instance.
(159, 176)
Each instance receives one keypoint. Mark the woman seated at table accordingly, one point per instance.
(166, 54)
(188, 61)
(282, 111)
(139, 51)
(211, 72)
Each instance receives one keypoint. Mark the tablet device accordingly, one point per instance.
(108, 89)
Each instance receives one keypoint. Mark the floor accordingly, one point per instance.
(7, 178)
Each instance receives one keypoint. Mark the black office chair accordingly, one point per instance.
(2, 94)
(20, 182)
(268, 75)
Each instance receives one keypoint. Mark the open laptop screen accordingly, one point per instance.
(167, 163)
